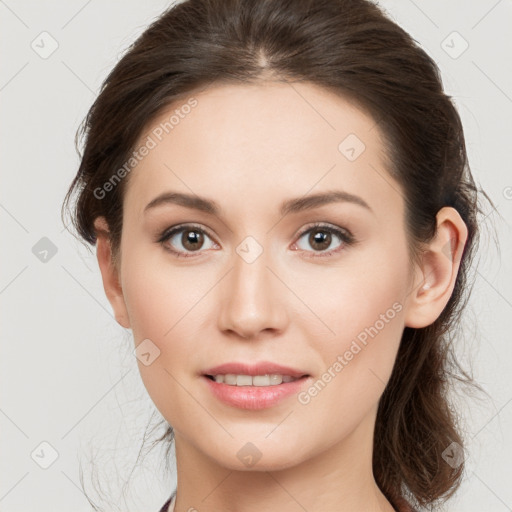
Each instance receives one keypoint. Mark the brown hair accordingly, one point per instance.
(350, 47)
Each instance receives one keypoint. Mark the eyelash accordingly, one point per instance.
(343, 234)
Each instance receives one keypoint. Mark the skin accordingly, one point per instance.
(250, 147)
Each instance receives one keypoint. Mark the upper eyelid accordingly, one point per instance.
(180, 227)
(326, 225)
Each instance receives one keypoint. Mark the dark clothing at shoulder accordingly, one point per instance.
(166, 504)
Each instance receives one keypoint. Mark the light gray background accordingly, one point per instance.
(67, 370)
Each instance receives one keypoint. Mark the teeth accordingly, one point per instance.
(256, 380)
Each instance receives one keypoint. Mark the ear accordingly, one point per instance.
(110, 273)
(436, 276)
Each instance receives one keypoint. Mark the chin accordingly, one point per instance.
(248, 457)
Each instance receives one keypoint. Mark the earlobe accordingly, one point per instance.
(438, 272)
(109, 273)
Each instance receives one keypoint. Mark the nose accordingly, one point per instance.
(252, 299)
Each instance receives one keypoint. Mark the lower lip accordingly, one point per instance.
(254, 397)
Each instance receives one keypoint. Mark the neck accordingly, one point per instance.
(339, 478)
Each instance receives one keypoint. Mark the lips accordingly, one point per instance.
(262, 368)
(254, 397)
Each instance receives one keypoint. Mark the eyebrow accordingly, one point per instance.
(289, 206)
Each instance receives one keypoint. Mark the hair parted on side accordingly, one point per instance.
(352, 48)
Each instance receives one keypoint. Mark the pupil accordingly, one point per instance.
(193, 239)
(322, 238)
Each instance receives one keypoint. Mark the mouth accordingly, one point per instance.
(264, 380)
(254, 392)
(254, 386)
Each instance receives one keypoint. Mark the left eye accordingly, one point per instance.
(320, 236)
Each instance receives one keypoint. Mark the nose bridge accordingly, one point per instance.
(252, 300)
(250, 270)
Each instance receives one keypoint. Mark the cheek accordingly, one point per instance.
(357, 362)
(362, 292)
(160, 304)
(167, 305)
(159, 297)
(363, 313)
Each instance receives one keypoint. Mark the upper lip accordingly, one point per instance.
(262, 368)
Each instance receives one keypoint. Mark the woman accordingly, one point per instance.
(284, 217)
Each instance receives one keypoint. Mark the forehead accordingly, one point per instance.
(261, 142)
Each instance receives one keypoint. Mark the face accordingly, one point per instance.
(320, 287)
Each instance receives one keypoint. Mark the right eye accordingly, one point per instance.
(189, 237)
